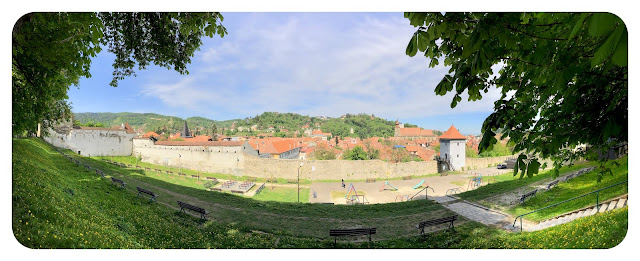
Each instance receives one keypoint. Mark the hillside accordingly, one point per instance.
(283, 124)
(58, 204)
(151, 121)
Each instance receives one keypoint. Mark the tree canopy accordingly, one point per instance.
(563, 77)
(52, 51)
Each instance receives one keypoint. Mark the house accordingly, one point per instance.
(413, 133)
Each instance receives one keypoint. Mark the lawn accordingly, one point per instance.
(58, 204)
(282, 194)
(573, 188)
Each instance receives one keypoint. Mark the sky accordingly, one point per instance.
(316, 64)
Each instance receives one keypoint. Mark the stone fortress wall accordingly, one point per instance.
(92, 142)
(335, 169)
(214, 159)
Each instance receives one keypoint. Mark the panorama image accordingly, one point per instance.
(242, 130)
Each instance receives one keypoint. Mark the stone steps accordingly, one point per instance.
(580, 213)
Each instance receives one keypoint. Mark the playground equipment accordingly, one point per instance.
(386, 183)
(353, 197)
(402, 198)
(426, 196)
(453, 191)
(475, 182)
(419, 184)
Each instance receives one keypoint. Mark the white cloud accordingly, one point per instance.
(317, 64)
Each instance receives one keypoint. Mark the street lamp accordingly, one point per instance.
(301, 163)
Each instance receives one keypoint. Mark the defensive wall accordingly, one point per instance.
(335, 169)
(93, 141)
(229, 158)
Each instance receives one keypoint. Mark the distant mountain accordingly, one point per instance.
(283, 124)
(151, 121)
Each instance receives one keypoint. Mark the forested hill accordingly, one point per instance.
(363, 125)
(148, 121)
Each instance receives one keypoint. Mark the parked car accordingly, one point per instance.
(502, 166)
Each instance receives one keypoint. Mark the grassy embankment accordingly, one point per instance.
(575, 187)
(507, 182)
(58, 204)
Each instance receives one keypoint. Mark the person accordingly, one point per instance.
(343, 186)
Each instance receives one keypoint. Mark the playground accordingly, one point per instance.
(390, 191)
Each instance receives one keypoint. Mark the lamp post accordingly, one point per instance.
(301, 163)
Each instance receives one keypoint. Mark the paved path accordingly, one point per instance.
(476, 212)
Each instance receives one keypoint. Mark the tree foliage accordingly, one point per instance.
(52, 51)
(563, 77)
(357, 153)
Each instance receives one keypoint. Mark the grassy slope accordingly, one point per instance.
(282, 194)
(510, 183)
(573, 188)
(57, 204)
(604, 230)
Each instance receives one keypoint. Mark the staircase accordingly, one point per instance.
(584, 212)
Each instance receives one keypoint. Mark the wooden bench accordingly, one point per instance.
(202, 211)
(195, 176)
(120, 182)
(553, 183)
(351, 232)
(528, 195)
(184, 175)
(129, 165)
(99, 172)
(434, 222)
(212, 178)
(272, 180)
(149, 193)
(252, 179)
(371, 180)
(568, 177)
(292, 181)
(406, 178)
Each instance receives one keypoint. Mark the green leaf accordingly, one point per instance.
(533, 167)
(602, 23)
(412, 47)
(607, 48)
(423, 41)
(578, 25)
(519, 165)
(620, 54)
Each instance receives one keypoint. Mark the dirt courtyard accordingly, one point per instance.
(374, 195)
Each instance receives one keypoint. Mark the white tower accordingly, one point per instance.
(452, 147)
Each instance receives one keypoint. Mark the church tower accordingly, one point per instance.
(452, 148)
(185, 133)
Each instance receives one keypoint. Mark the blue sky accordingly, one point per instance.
(309, 63)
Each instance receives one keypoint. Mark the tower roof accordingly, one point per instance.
(452, 134)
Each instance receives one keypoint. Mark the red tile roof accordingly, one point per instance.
(151, 134)
(200, 143)
(128, 128)
(452, 134)
(414, 132)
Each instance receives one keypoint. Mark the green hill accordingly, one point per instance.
(151, 121)
(363, 125)
(58, 204)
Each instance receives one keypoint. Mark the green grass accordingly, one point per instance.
(572, 188)
(58, 204)
(506, 183)
(604, 230)
(282, 194)
(133, 161)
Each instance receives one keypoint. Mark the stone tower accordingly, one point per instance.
(452, 148)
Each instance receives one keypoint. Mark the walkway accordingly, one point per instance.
(476, 212)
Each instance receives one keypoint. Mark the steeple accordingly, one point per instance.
(185, 132)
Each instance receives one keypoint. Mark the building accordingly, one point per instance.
(413, 133)
(452, 148)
